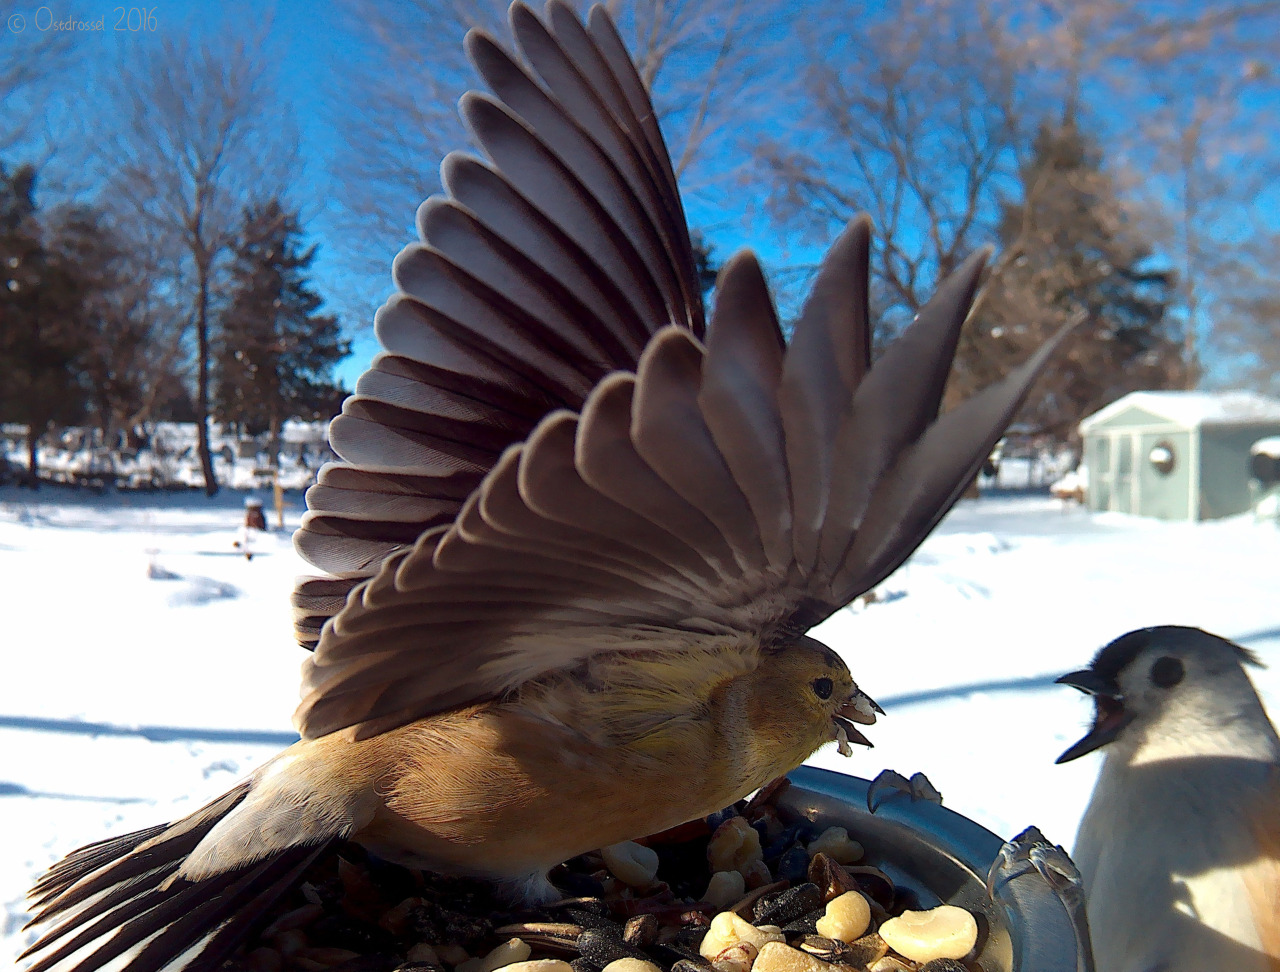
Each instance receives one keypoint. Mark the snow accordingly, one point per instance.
(1192, 409)
(125, 700)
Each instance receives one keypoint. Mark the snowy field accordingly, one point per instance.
(127, 699)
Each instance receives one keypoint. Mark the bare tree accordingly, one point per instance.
(135, 325)
(1187, 83)
(922, 112)
(913, 114)
(1247, 311)
(31, 62)
(202, 138)
(1212, 142)
(710, 65)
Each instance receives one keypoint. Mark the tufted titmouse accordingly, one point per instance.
(1180, 845)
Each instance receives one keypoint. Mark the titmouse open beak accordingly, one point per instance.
(1109, 715)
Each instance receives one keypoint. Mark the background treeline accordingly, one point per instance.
(190, 229)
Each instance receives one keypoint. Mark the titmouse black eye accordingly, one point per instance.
(1166, 672)
(822, 688)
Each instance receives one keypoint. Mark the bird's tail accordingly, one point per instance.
(122, 901)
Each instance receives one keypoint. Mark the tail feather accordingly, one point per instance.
(137, 918)
(131, 889)
(88, 858)
(117, 862)
(122, 901)
(231, 919)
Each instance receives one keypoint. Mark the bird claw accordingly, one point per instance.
(1031, 852)
(918, 788)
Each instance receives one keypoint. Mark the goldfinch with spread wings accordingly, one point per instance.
(576, 535)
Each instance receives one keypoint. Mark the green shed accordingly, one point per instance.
(1176, 455)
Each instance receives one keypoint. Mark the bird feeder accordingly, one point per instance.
(945, 858)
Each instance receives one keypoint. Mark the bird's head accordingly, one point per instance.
(1169, 686)
(803, 693)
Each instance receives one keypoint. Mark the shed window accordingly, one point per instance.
(1265, 468)
(1162, 457)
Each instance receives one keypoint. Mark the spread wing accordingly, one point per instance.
(540, 271)
(735, 491)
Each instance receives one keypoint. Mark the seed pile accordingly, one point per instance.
(737, 892)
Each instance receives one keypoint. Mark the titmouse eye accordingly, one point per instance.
(1166, 672)
(822, 687)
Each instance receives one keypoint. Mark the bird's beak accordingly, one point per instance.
(1109, 713)
(860, 708)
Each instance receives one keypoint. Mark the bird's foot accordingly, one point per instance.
(1031, 852)
(918, 788)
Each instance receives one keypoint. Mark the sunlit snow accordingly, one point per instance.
(145, 665)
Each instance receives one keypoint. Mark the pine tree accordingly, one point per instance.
(1069, 248)
(276, 352)
(43, 290)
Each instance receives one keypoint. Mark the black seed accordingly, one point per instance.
(689, 965)
(584, 965)
(466, 929)
(419, 967)
(691, 936)
(590, 919)
(641, 930)
(794, 864)
(858, 954)
(876, 885)
(605, 945)
(670, 953)
(782, 843)
(943, 965)
(834, 951)
(805, 924)
(787, 905)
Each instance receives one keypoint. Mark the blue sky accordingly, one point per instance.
(314, 47)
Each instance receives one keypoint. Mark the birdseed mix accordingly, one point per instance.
(737, 892)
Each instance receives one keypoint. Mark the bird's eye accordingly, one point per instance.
(1166, 672)
(822, 688)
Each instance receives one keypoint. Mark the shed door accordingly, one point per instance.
(1122, 486)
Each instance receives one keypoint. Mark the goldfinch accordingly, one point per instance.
(576, 536)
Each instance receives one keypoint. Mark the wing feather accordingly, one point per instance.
(738, 399)
(672, 438)
(897, 400)
(552, 464)
(540, 271)
(819, 377)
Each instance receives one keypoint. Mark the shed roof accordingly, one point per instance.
(1193, 409)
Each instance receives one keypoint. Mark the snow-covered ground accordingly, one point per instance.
(126, 699)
